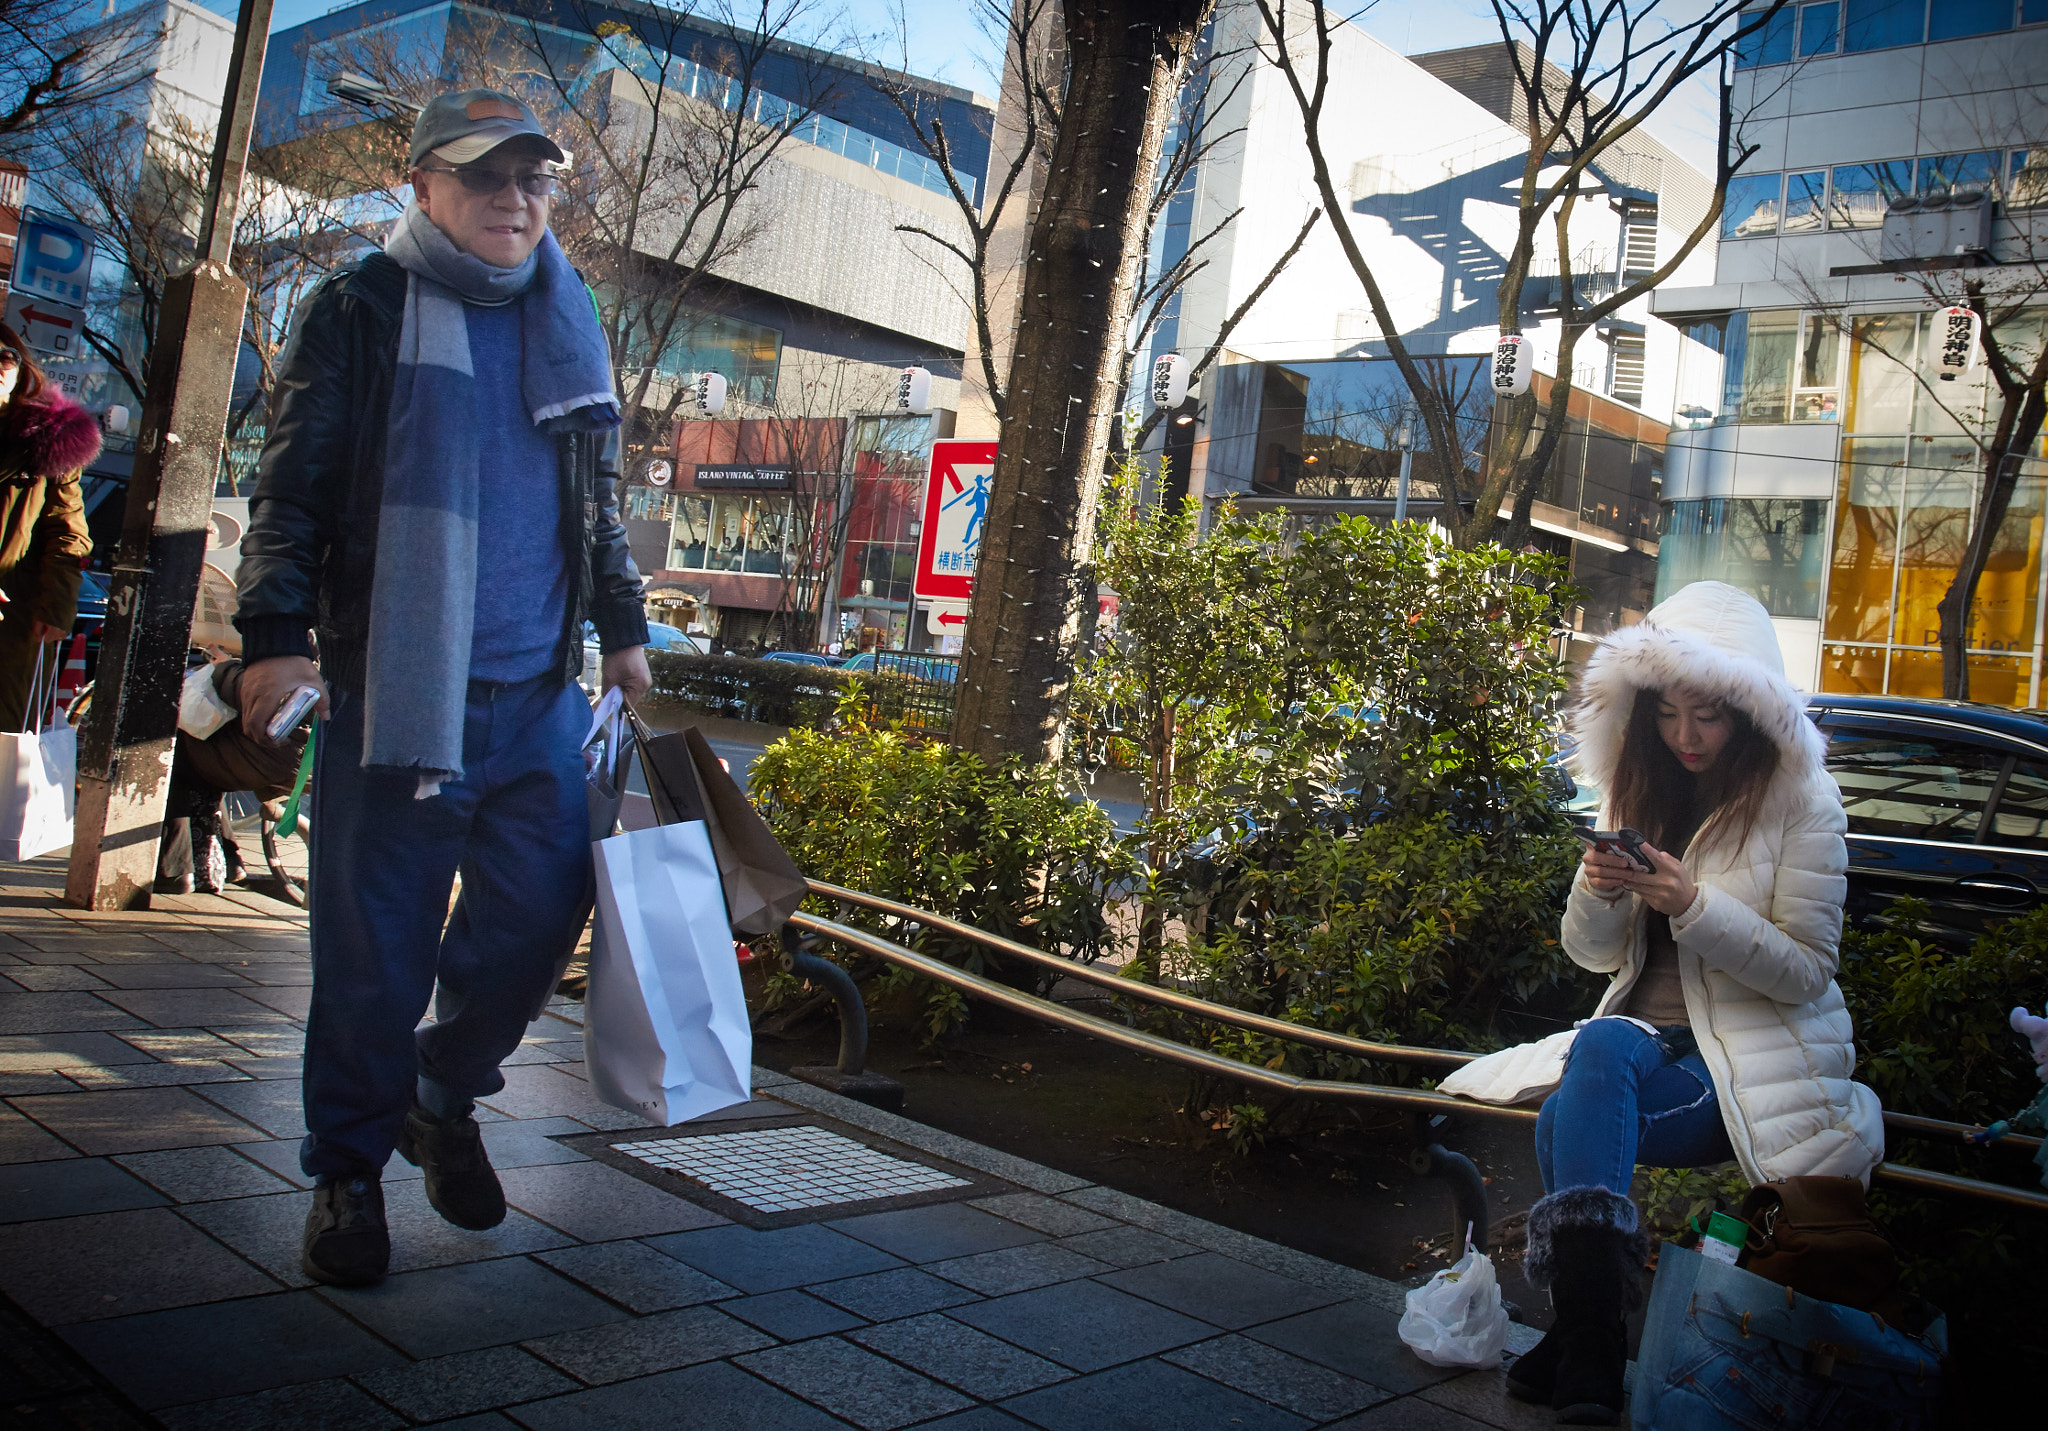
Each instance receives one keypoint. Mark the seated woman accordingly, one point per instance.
(1723, 1034)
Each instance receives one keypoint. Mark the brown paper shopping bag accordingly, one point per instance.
(763, 886)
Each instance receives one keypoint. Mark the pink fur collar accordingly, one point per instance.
(49, 436)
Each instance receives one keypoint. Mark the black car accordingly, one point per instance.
(1947, 801)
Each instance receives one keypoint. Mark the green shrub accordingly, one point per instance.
(1002, 848)
(1351, 819)
(1931, 1030)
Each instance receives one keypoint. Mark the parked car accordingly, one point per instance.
(900, 663)
(801, 658)
(1947, 801)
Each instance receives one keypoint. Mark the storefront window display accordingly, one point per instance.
(736, 532)
(1908, 488)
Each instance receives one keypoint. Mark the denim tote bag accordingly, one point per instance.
(1722, 1347)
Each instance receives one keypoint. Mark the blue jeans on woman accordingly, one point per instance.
(1629, 1097)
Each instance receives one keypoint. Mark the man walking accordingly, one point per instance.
(436, 500)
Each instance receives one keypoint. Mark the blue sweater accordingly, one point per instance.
(522, 577)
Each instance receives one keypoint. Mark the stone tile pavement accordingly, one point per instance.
(150, 1209)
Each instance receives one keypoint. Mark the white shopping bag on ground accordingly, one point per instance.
(1456, 1319)
(665, 1030)
(38, 775)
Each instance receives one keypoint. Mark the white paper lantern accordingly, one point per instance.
(1955, 341)
(1170, 381)
(914, 391)
(1513, 365)
(711, 393)
(117, 420)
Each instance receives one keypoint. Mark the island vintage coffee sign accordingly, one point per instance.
(741, 479)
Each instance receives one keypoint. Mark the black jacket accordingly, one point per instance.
(309, 556)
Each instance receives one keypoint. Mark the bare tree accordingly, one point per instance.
(142, 189)
(1589, 73)
(57, 60)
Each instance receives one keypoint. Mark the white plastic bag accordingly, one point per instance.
(38, 775)
(201, 711)
(1456, 1319)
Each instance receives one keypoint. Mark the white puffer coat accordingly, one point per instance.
(1757, 949)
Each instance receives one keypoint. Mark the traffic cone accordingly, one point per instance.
(71, 680)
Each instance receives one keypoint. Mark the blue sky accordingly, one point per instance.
(945, 43)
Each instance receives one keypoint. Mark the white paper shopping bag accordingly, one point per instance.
(38, 776)
(665, 1030)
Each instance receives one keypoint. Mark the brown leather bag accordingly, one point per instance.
(1816, 1236)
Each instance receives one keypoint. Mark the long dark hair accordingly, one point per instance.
(28, 378)
(1654, 793)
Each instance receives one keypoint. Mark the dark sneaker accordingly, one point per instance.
(347, 1244)
(461, 1184)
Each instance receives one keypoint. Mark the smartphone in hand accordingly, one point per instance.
(1626, 843)
(292, 710)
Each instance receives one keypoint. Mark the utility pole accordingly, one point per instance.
(1404, 438)
(124, 758)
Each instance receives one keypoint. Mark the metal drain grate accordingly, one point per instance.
(789, 1169)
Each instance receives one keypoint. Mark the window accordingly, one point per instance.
(2021, 817)
(1883, 349)
(2026, 182)
(1820, 350)
(1878, 24)
(1769, 45)
(736, 532)
(647, 504)
(1861, 191)
(1805, 201)
(1768, 547)
(1759, 372)
(1819, 28)
(1752, 207)
(746, 354)
(1952, 19)
(1898, 783)
(1950, 172)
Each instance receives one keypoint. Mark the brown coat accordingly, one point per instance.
(44, 446)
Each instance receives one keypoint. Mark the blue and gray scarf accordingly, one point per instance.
(423, 602)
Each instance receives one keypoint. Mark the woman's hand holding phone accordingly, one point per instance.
(1668, 889)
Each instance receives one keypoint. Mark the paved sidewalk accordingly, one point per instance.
(823, 1265)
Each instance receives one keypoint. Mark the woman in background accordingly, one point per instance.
(45, 442)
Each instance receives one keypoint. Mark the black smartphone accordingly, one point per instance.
(1626, 843)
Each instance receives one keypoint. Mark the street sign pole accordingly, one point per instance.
(124, 758)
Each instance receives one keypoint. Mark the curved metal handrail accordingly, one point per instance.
(1445, 1058)
(1417, 1100)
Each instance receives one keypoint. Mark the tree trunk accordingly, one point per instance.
(1034, 590)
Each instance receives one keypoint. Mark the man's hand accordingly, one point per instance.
(265, 683)
(1668, 889)
(627, 669)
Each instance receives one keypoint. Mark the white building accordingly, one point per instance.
(1302, 409)
(1903, 149)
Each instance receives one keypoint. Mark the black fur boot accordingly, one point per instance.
(1586, 1247)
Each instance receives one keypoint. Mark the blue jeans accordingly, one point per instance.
(517, 827)
(1629, 1098)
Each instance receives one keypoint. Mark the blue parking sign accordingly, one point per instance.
(53, 258)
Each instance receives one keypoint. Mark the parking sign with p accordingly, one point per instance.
(53, 258)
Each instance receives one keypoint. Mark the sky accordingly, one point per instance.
(944, 43)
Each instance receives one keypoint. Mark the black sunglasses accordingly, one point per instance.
(9, 358)
(492, 181)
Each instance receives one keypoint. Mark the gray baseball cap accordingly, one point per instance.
(464, 126)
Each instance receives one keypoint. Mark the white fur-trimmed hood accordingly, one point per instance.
(1715, 639)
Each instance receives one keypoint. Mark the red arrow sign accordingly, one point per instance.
(952, 618)
(36, 315)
